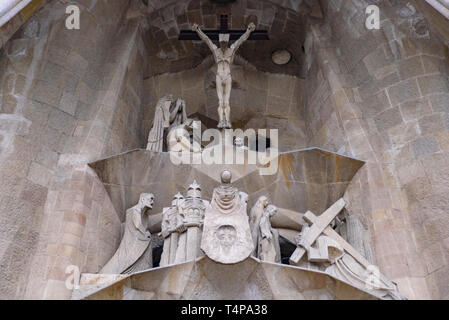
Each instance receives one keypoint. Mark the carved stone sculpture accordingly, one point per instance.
(224, 57)
(170, 223)
(255, 215)
(191, 213)
(170, 115)
(134, 253)
(329, 252)
(269, 248)
(226, 236)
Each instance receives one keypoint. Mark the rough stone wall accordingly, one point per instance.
(255, 97)
(386, 102)
(69, 97)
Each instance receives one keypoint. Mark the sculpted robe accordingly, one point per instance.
(169, 222)
(269, 249)
(160, 123)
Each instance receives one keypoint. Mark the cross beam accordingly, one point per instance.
(319, 224)
(214, 34)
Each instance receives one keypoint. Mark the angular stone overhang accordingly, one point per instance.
(248, 280)
(308, 179)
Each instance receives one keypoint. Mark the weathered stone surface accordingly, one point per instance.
(249, 279)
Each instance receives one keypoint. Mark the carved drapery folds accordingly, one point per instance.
(222, 229)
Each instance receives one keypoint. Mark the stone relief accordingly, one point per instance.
(224, 57)
(134, 253)
(227, 236)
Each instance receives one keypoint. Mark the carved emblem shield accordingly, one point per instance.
(226, 235)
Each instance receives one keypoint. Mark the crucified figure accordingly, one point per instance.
(224, 56)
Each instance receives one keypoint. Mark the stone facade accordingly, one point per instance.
(72, 97)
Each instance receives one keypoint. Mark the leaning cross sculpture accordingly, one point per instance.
(346, 263)
(224, 57)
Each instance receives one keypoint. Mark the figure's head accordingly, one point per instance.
(224, 40)
(263, 201)
(166, 100)
(177, 199)
(244, 197)
(147, 200)
(226, 177)
(226, 235)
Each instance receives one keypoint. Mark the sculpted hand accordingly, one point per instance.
(251, 27)
(195, 27)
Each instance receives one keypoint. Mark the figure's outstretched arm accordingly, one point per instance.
(244, 37)
(204, 37)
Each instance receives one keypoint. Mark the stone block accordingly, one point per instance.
(34, 193)
(281, 86)
(388, 119)
(433, 84)
(434, 257)
(403, 91)
(61, 121)
(410, 68)
(415, 109)
(278, 106)
(9, 104)
(51, 73)
(431, 64)
(425, 146)
(69, 103)
(431, 124)
(47, 93)
(440, 102)
(40, 175)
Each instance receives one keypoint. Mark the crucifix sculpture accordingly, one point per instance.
(224, 56)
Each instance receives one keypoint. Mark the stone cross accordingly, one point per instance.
(224, 29)
(312, 219)
(224, 57)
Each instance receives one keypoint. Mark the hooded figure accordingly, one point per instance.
(269, 248)
(135, 252)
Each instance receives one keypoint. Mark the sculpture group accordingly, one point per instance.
(222, 229)
(171, 128)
